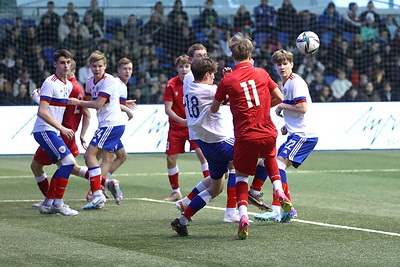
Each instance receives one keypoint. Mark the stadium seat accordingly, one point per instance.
(283, 37)
(6, 22)
(201, 36)
(139, 22)
(108, 36)
(329, 79)
(161, 53)
(49, 53)
(326, 38)
(260, 37)
(111, 24)
(348, 36)
(196, 26)
(29, 22)
(222, 22)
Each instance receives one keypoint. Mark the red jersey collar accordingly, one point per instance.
(241, 65)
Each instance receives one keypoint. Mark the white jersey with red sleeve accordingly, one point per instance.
(295, 90)
(123, 91)
(56, 93)
(107, 87)
(204, 125)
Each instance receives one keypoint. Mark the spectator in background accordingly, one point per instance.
(6, 94)
(38, 70)
(242, 21)
(84, 72)
(104, 46)
(395, 43)
(352, 22)
(186, 39)
(24, 78)
(354, 95)
(131, 28)
(387, 94)
(208, 17)
(308, 68)
(47, 32)
(340, 85)
(89, 29)
(96, 12)
(265, 17)
(137, 95)
(286, 20)
(351, 71)
(30, 39)
(391, 26)
(73, 40)
(9, 60)
(177, 9)
(212, 44)
(369, 30)
(317, 84)
(371, 93)
(159, 8)
(153, 27)
(306, 21)
(23, 98)
(158, 97)
(325, 95)
(363, 81)
(377, 71)
(71, 11)
(65, 26)
(330, 19)
(119, 40)
(53, 16)
(370, 12)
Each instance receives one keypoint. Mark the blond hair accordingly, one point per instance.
(281, 55)
(97, 56)
(241, 46)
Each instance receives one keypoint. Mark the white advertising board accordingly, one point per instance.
(342, 126)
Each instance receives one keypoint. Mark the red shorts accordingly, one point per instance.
(247, 153)
(176, 142)
(43, 158)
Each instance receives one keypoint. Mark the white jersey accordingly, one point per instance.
(204, 125)
(56, 93)
(123, 95)
(295, 90)
(187, 79)
(107, 87)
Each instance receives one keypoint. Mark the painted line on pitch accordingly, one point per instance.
(296, 220)
(223, 209)
(198, 173)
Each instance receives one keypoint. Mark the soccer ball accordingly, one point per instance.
(307, 42)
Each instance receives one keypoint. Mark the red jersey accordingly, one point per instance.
(174, 93)
(249, 90)
(73, 114)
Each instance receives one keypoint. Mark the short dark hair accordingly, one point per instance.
(61, 53)
(202, 65)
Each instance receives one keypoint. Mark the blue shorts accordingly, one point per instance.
(218, 155)
(297, 148)
(108, 138)
(52, 144)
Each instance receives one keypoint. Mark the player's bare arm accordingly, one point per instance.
(215, 105)
(131, 104)
(299, 108)
(172, 114)
(96, 104)
(85, 126)
(43, 113)
(276, 97)
(128, 111)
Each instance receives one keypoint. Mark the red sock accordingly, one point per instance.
(231, 197)
(257, 184)
(51, 191)
(191, 195)
(206, 173)
(103, 180)
(174, 180)
(285, 187)
(43, 186)
(87, 175)
(95, 183)
(275, 200)
(242, 189)
(61, 185)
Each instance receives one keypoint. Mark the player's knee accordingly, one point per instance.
(68, 160)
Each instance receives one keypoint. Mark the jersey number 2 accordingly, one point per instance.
(245, 86)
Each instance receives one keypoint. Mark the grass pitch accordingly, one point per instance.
(347, 201)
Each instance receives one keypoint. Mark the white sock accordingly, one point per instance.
(97, 193)
(243, 211)
(276, 208)
(204, 166)
(58, 202)
(41, 177)
(108, 176)
(254, 192)
(230, 210)
(82, 171)
(277, 185)
(178, 190)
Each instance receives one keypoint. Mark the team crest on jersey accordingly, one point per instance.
(62, 149)
(284, 91)
(176, 93)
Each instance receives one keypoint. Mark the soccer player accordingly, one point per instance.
(215, 140)
(197, 51)
(53, 101)
(297, 111)
(178, 131)
(110, 164)
(103, 95)
(71, 119)
(251, 93)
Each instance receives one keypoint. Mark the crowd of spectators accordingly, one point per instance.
(359, 57)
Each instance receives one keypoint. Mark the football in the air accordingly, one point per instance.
(307, 42)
